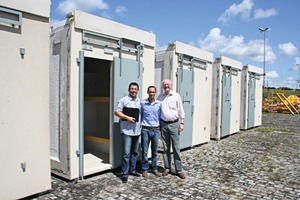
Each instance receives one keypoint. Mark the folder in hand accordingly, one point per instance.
(132, 112)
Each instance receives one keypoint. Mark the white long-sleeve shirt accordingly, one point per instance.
(171, 106)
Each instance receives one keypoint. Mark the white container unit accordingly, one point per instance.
(226, 100)
(24, 115)
(190, 70)
(251, 98)
(93, 60)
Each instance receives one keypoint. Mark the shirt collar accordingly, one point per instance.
(147, 101)
(131, 99)
(171, 93)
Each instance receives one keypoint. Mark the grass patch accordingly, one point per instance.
(274, 177)
(293, 182)
(282, 130)
(228, 191)
(180, 183)
(269, 130)
(264, 130)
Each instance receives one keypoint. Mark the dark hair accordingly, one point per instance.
(151, 86)
(133, 83)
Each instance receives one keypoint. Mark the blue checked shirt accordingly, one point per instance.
(133, 129)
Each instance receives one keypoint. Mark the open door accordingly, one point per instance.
(59, 113)
(125, 71)
(96, 115)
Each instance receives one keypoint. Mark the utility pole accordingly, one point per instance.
(263, 30)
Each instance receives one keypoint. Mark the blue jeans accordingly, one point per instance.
(147, 137)
(171, 135)
(130, 153)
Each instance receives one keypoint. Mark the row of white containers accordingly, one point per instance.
(220, 97)
(92, 62)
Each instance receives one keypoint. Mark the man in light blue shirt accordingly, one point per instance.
(150, 113)
(130, 130)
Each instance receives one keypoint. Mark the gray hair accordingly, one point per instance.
(168, 80)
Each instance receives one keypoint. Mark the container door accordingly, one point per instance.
(59, 115)
(251, 101)
(185, 85)
(226, 102)
(125, 71)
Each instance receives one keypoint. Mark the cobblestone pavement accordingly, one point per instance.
(261, 163)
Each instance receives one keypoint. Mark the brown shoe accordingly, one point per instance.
(145, 174)
(165, 173)
(181, 175)
(156, 173)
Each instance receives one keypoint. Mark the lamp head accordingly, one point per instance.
(264, 30)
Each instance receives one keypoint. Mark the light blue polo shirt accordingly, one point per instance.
(127, 128)
(150, 113)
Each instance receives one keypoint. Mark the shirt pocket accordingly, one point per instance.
(173, 105)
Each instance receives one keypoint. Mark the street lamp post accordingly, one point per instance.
(263, 30)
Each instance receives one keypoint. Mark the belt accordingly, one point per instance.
(169, 122)
(151, 128)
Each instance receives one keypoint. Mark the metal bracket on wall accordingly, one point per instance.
(100, 39)
(109, 43)
(22, 52)
(87, 47)
(181, 62)
(23, 166)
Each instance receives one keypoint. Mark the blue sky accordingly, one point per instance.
(224, 27)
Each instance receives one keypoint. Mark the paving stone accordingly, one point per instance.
(252, 164)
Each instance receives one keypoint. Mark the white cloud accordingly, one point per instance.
(289, 79)
(243, 9)
(296, 66)
(67, 6)
(121, 10)
(288, 49)
(236, 46)
(270, 82)
(260, 13)
(272, 74)
(290, 82)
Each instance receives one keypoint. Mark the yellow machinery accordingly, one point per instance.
(282, 104)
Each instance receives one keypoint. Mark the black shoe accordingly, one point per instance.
(135, 174)
(124, 179)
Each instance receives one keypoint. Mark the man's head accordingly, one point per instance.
(151, 92)
(133, 89)
(167, 86)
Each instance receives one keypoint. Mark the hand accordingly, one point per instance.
(130, 119)
(181, 127)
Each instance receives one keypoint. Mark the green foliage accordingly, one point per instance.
(271, 92)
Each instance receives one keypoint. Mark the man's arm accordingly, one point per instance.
(181, 113)
(125, 117)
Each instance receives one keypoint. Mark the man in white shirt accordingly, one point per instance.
(172, 123)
